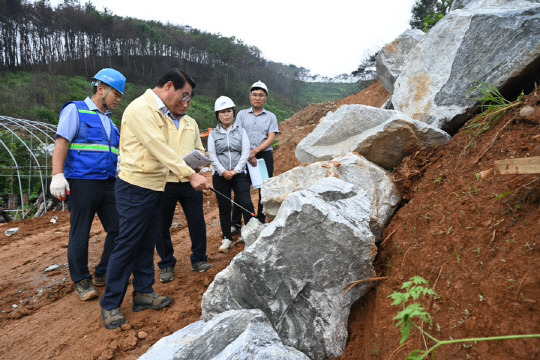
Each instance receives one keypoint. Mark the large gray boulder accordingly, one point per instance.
(384, 137)
(475, 4)
(392, 56)
(295, 272)
(236, 334)
(497, 45)
(352, 168)
(387, 144)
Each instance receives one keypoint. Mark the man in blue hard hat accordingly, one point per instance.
(84, 163)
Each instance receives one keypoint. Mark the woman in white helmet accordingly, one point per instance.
(228, 148)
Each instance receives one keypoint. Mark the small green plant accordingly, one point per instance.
(275, 144)
(501, 196)
(493, 106)
(439, 179)
(414, 289)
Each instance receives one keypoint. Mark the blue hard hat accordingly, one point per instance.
(111, 77)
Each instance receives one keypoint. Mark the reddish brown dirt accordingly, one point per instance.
(475, 240)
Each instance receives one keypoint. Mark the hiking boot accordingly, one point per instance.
(86, 290)
(143, 301)
(201, 266)
(113, 319)
(166, 275)
(225, 245)
(98, 280)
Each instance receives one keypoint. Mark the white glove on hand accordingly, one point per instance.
(59, 186)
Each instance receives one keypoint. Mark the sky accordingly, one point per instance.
(328, 37)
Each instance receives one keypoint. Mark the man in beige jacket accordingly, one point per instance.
(146, 159)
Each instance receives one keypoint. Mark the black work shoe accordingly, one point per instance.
(113, 319)
(201, 266)
(166, 275)
(98, 280)
(86, 290)
(143, 301)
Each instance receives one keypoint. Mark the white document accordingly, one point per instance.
(257, 173)
(196, 160)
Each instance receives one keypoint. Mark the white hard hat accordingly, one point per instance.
(223, 102)
(260, 85)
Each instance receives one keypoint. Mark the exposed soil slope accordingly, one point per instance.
(475, 236)
(477, 247)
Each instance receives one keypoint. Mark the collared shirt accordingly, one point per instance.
(257, 126)
(160, 105)
(68, 124)
(176, 121)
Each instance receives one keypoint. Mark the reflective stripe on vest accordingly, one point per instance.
(87, 112)
(93, 147)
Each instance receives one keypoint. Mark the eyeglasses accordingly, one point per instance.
(186, 98)
(258, 95)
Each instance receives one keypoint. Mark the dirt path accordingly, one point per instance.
(42, 317)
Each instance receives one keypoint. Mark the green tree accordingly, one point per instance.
(426, 13)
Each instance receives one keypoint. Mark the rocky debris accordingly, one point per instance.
(11, 231)
(235, 334)
(525, 111)
(250, 232)
(352, 168)
(497, 44)
(384, 137)
(392, 56)
(295, 271)
(52, 268)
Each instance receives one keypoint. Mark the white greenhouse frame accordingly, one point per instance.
(38, 138)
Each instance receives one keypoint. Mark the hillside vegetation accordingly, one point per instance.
(39, 96)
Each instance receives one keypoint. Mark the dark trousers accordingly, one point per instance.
(87, 198)
(191, 201)
(239, 184)
(134, 248)
(236, 214)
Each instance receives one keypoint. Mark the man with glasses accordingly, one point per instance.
(146, 159)
(183, 138)
(261, 127)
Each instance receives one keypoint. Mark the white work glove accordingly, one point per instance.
(59, 186)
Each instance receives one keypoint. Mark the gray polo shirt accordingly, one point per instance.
(257, 126)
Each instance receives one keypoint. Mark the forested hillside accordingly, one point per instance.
(72, 40)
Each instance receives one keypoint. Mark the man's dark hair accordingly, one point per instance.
(178, 77)
(94, 88)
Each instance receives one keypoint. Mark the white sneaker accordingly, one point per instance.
(225, 245)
